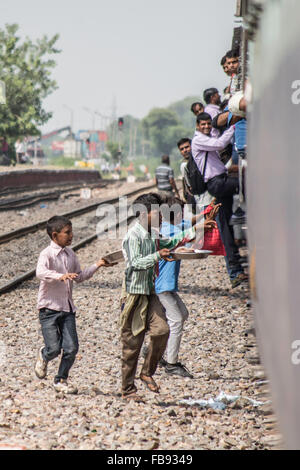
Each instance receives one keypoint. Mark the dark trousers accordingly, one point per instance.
(223, 188)
(59, 332)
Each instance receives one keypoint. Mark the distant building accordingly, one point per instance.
(93, 143)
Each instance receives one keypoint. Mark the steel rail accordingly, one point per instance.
(6, 237)
(74, 185)
(31, 273)
(25, 201)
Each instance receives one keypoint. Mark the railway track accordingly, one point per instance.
(13, 283)
(67, 185)
(41, 224)
(31, 273)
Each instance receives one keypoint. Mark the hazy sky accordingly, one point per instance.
(143, 53)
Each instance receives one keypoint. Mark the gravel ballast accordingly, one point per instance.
(218, 347)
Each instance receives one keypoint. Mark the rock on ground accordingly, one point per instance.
(215, 348)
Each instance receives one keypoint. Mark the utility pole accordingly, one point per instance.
(71, 117)
(114, 118)
(134, 142)
(104, 119)
(143, 143)
(130, 141)
(92, 113)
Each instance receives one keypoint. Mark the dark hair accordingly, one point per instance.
(224, 104)
(56, 224)
(203, 117)
(176, 204)
(165, 159)
(209, 93)
(175, 200)
(146, 201)
(183, 141)
(195, 104)
(223, 60)
(232, 53)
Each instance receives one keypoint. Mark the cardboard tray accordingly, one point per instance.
(114, 257)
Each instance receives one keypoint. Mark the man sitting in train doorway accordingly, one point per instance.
(205, 149)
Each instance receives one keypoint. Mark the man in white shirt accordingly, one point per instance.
(20, 150)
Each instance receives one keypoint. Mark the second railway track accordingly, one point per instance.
(6, 237)
(18, 262)
(39, 195)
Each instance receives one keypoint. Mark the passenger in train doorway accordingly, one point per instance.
(232, 63)
(220, 185)
(197, 201)
(197, 108)
(212, 99)
(225, 67)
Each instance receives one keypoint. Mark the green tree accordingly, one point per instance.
(163, 128)
(113, 149)
(182, 109)
(130, 136)
(25, 68)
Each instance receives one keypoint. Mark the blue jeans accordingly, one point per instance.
(59, 332)
(235, 156)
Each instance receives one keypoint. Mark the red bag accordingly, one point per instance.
(212, 240)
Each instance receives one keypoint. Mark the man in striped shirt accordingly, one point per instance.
(141, 308)
(164, 178)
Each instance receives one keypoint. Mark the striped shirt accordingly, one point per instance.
(163, 175)
(141, 253)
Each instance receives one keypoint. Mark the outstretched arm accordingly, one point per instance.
(208, 144)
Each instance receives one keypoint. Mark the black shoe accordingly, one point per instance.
(239, 213)
(178, 369)
(238, 217)
(162, 362)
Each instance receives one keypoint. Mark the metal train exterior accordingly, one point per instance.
(273, 204)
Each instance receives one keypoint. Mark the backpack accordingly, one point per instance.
(195, 177)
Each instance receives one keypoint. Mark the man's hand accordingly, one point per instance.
(104, 263)
(68, 276)
(165, 254)
(213, 213)
(209, 225)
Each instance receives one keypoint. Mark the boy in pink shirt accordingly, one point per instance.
(57, 267)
